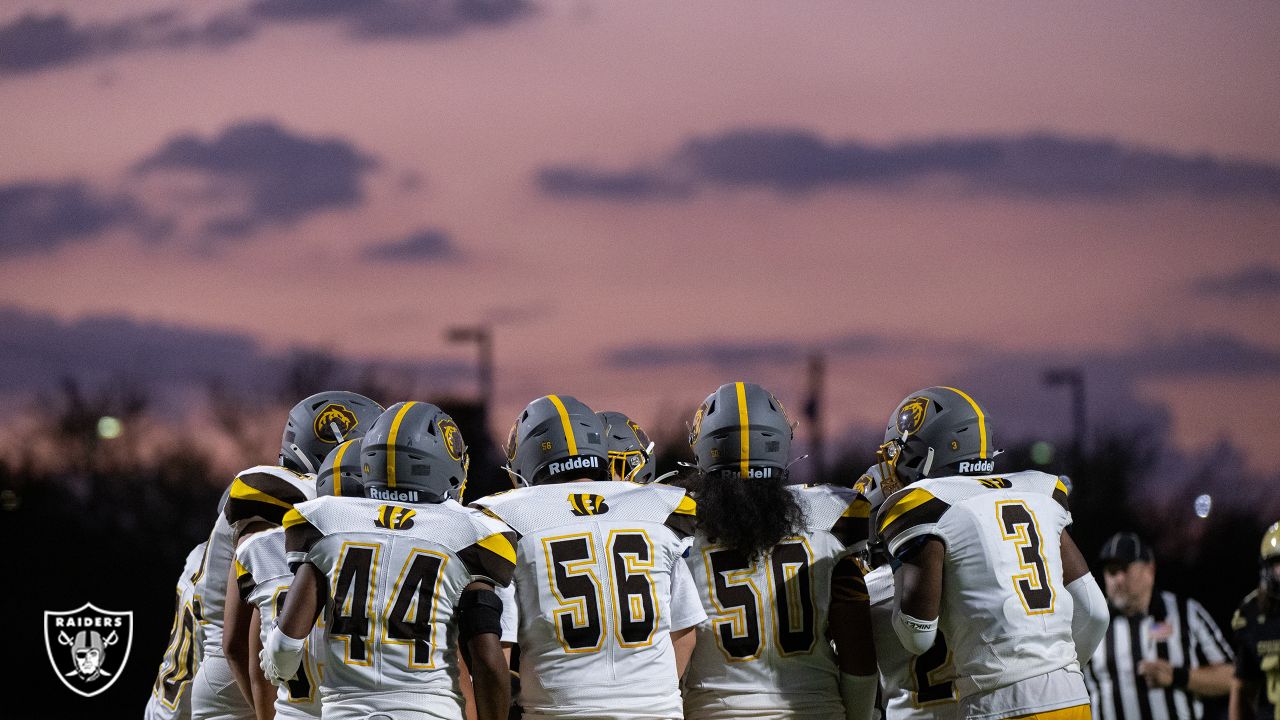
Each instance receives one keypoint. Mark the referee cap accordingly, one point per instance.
(1124, 548)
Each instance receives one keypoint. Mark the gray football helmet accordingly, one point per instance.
(935, 432)
(413, 453)
(555, 438)
(742, 429)
(630, 450)
(317, 424)
(340, 472)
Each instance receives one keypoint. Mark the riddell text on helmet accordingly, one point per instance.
(978, 466)
(573, 463)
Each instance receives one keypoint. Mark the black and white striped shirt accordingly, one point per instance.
(1175, 629)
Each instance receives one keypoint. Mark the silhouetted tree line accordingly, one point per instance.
(109, 521)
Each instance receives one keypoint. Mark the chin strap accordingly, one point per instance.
(302, 458)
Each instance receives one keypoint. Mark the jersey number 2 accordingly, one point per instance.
(1018, 525)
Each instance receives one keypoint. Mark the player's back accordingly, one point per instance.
(170, 697)
(594, 586)
(1005, 611)
(395, 573)
(912, 687)
(763, 650)
(263, 575)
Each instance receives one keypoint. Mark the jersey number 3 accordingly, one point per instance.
(1018, 525)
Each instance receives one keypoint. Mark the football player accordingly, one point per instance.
(606, 606)
(263, 578)
(763, 559)
(912, 687)
(408, 577)
(1255, 691)
(258, 499)
(1019, 609)
(170, 699)
(630, 450)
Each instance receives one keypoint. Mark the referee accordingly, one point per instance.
(1162, 653)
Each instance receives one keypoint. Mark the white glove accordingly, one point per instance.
(281, 655)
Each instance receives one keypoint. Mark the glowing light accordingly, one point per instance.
(1041, 452)
(109, 428)
(1204, 504)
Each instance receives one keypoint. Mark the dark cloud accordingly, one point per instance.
(730, 354)
(371, 19)
(1249, 282)
(1204, 354)
(1038, 166)
(283, 176)
(35, 42)
(41, 217)
(39, 350)
(428, 245)
(568, 182)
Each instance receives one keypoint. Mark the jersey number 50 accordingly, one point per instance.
(738, 624)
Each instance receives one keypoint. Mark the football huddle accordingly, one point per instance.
(350, 582)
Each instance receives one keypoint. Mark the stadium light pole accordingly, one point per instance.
(813, 413)
(1073, 378)
(482, 336)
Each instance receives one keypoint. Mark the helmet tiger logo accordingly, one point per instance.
(333, 423)
(452, 438)
(911, 415)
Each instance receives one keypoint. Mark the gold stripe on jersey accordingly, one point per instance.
(493, 557)
(687, 506)
(500, 544)
(1061, 494)
(291, 518)
(982, 421)
(565, 424)
(260, 496)
(913, 499)
(918, 507)
(391, 442)
(244, 580)
(743, 432)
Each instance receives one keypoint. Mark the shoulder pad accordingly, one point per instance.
(266, 493)
(908, 513)
(683, 520)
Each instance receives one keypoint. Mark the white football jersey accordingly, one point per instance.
(763, 650)
(912, 687)
(170, 697)
(395, 574)
(264, 576)
(600, 585)
(260, 493)
(1005, 612)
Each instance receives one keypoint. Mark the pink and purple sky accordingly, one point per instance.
(648, 199)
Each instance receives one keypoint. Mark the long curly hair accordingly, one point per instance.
(749, 515)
